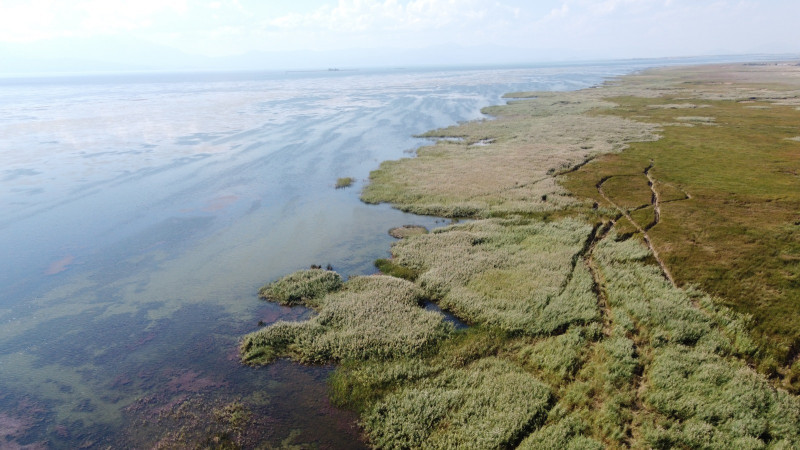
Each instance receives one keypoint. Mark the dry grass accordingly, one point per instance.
(513, 175)
(406, 231)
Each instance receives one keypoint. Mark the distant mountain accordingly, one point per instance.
(127, 55)
(92, 55)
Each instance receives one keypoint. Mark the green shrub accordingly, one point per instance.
(710, 401)
(557, 358)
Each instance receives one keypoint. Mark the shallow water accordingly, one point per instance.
(139, 214)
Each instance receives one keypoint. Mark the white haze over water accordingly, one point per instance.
(122, 35)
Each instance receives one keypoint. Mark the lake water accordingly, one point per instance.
(139, 215)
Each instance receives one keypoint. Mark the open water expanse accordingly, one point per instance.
(139, 215)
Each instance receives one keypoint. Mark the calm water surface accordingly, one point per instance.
(139, 214)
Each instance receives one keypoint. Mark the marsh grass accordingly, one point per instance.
(577, 340)
(407, 231)
(344, 182)
(304, 287)
(516, 275)
(487, 404)
(735, 236)
(370, 317)
(531, 138)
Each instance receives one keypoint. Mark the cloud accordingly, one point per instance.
(590, 28)
(109, 15)
(556, 13)
(374, 15)
(30, 20)
(26, 21)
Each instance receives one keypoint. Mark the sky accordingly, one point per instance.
(587, 29)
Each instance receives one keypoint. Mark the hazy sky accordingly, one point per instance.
(595, 28)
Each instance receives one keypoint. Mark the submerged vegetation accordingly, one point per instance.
(630, 278)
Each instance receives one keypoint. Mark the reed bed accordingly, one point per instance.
(576, 337)
(370, 317)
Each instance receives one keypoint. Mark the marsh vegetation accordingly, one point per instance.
(344, 182)
(630, 278)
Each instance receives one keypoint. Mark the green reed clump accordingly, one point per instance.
(568, 433)
(490, 403)
(304, 287)
(557, 358)
(359, 385)
(520, 276)
(344, 182)
(708, 401)
(370, 317)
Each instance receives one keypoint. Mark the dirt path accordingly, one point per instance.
(599, 233)
(655, 199)
(638, 227)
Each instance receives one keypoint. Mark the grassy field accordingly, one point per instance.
(631, 278)
(730, 207)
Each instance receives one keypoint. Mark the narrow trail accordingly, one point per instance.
(655, 199)
(638, 227)
(599, 232)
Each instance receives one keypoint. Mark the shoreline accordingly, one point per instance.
(596, 345)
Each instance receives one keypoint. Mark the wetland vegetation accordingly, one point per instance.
(344, 182)
(631, 276)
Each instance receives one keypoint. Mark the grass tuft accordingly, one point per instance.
(344, 182)
(304, 287)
